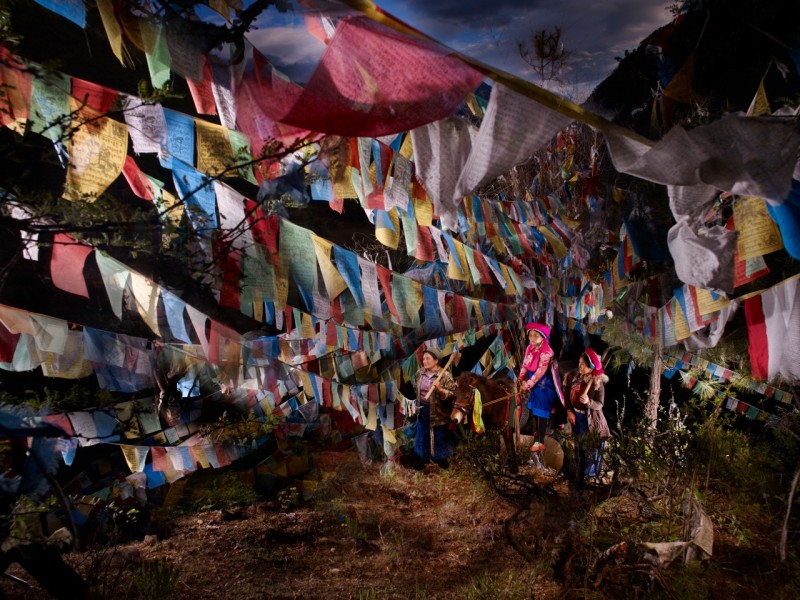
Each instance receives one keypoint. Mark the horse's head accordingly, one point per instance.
(464, 399)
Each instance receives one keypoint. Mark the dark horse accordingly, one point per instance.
(499, 400)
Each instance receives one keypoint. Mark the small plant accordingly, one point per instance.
(223, 491)
(155, 579)
(289, 498)
(354, 527)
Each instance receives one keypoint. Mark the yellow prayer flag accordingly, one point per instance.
(97, 153)
(707, 305)
(308, 386)
(758, 233)
(223, 7)
(510, 287)
(372, 417)
(423, 210)
(307, 328)
(334, 282)
(473, 106)
(132, 457)
(497, 242)
(680, 87)
(555, 242)
(114, 32)
(407, 149)
(414, 303)
(760, 103)
(453, 272)
(679, 321)
(214, 150)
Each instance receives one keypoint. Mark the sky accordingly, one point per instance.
(490, 30)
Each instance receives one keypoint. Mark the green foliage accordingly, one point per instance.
(77, 397)
(512, 585)
(691, 581)
(289, 498)
(354, 527)
(155, 579)
(225, 490)
(242, 429)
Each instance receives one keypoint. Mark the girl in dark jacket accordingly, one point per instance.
(586, 389)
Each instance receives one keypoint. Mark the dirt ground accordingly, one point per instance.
(366, 533)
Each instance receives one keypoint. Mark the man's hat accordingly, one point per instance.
(433, 351)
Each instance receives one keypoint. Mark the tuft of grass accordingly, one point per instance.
(511, 585)
(155, 579)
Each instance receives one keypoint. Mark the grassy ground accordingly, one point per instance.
(368, 531)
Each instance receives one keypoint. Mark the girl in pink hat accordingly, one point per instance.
(539, 376)
(586, 388)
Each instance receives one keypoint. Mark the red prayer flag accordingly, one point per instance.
(66, 265)
(370, 81)
(757, 336)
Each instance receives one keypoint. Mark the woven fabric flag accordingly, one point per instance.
(296, 260)
(154, 40)
(98, 98)
(371, 81)
(50, 334)
(232, 219)
(74, 10)
(98, 149)
(135, 456)
(214, 150)
(66, 265)
(441, 150)
(758, 234)
(750, 156)
(334, 282)
(115, 278)
(501, 143)
(180, 139)
(370, 288)
(347, 265)
(140, 184)
(113, 32)
(147, 126)
(50, 105)
(197, 192)
(145, 295)
(773, 328)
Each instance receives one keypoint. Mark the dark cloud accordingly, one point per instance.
(467, 13)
